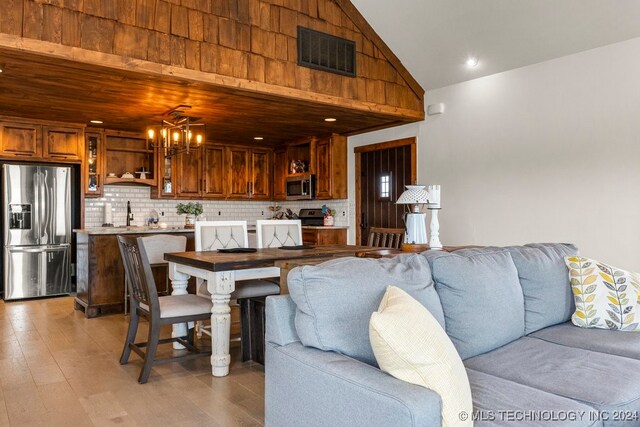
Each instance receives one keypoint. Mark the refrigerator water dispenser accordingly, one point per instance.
(19, 217)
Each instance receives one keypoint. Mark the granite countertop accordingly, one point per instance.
(133, 230)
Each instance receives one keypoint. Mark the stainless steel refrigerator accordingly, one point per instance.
(36, 217)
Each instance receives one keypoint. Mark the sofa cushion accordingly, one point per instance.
(411, 345)
(600, 340)
(545, 285)
(605, 382)
(481, 298)
(335, 299)
(499, 402)
(606, 297)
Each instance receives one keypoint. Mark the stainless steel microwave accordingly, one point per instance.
(301, 187)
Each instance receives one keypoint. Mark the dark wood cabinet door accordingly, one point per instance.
(20, 140)
(238, 168)
(323, 169)
(214, 172)
(280, 168)
(189, 174)
(63, 143)
(260, 185)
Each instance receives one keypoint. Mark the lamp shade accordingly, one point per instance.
(413, 195)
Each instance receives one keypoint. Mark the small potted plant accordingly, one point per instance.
(191, 210)
(329, 215)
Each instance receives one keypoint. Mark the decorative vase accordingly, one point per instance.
(189, 221)
(328, 220)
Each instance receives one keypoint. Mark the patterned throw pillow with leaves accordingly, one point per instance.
(606, 297)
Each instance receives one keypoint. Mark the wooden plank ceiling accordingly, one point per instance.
(126, 63)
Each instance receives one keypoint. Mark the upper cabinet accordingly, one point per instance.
(129, 159)
(249, 173)
(63, 143)
(41, 141)
(20, 140)
(325, 157)
(93, 164)
(213, 175)
(331, 167)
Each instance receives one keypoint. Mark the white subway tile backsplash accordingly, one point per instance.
(142, 204)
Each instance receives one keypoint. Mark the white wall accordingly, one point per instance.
(549, 152)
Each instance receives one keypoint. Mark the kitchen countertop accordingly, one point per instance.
(133, 230)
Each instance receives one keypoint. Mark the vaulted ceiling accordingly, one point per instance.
(434, 38)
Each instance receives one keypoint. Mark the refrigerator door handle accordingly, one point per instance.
(36, 202)
(44, 209)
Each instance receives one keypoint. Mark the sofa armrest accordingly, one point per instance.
(311, 387)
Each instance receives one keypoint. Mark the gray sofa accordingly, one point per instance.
(505, 309)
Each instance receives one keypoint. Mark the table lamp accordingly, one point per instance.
(415, 220)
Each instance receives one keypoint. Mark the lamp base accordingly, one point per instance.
(414, 247)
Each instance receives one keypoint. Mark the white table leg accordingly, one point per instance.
(220, 285)
(179, 283)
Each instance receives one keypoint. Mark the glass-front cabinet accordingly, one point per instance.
(94, 186)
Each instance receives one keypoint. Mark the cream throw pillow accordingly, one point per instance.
(410, 344)
(606, 297)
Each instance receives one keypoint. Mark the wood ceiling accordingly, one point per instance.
(49, 88)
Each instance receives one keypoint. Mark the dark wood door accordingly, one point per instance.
(382, 172)
(62, 143)
(20, 140)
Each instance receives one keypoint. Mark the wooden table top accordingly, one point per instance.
(218, 261)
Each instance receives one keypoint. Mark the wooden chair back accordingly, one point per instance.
(142, 287)
(386, 237)
(276, 233)
(212, 235)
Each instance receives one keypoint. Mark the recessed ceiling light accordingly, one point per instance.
(97, 122)
(472, 62)
(1, 70)
(330, 119)
(258, 138)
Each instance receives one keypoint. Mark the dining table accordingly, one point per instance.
(221, 269)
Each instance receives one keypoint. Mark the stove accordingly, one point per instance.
(311, 216)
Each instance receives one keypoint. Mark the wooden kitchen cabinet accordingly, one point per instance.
(213, 174)
(260, 185)
(280, 169)
(189, 173)
(94, 165)
(201, 173)
(63, 143)
(20, 140)
(331, 167)
(324, 236)
(129, 152)
(249, 173)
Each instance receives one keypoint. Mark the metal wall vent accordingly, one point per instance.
(326, 52)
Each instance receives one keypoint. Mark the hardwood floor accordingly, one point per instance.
(59, 368)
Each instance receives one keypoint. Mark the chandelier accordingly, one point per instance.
(177, 132)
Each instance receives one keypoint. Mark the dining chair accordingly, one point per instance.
(276, 233)
(386, 237)
(214, 235)
(159, 311)
(156, 246)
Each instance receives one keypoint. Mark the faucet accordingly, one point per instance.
(129, 214)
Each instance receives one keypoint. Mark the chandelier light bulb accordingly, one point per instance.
(198, 139)
(176, 137)
(151, 133)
